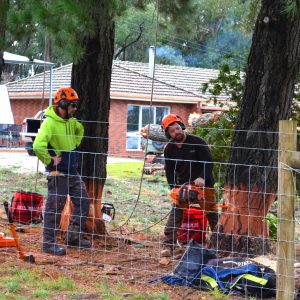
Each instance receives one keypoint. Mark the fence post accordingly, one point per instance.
(286, 212)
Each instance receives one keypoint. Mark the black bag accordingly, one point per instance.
(200, 268)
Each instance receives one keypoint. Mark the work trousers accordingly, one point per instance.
(173, 224)
(59, 186)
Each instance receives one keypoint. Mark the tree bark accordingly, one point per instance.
(4, 4)
(154, 133)
(273, 66)
(48, 47)
(91, 78)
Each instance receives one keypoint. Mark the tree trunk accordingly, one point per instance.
(48, 47)
(154, 133)
(91, 78)
(4, 4)
(251, 183)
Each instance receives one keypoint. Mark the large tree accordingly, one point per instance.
(91, 77)
(4, 5)
(84, 31)
(251, 182)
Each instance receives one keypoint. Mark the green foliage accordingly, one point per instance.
(219, 134)
(198, 32)
(201, 31)
(3, 18)
(127, 30)
(291, 8)
(65, 23)
(228, 82)
(273, 222)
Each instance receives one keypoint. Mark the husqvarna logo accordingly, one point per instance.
(238, 263)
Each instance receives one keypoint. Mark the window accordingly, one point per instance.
(138, 116)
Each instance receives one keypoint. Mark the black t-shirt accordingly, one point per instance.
(189, 162)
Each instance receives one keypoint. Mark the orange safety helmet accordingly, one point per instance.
(64, 95)
(169, 119)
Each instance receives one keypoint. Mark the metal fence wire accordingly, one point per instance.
(134, 249)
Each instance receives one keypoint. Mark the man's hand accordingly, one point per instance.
(56, 160)
(199, 182)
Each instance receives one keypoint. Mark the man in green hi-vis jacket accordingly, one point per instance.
(55, 145)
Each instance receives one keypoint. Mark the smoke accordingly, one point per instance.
(170, 56)
(228, 46)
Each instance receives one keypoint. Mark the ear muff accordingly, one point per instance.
(182, 125)
(167, 135)
(63, 104)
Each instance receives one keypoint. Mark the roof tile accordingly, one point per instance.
(129, 77)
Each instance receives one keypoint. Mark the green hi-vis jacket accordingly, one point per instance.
(58, 135)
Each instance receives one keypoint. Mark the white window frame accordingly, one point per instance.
(134, 134)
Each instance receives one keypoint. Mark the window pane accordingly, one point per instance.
(160, 113)
(145, 115)
(132, 142)
(133, 118)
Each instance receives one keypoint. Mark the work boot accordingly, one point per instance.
(74, 238)
(80, 243)
(55, 250)
(213, 219)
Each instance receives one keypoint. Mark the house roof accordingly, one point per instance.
(130, 80)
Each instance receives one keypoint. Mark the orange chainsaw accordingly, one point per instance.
(187, 194)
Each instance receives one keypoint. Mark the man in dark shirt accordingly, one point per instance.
(187, 160)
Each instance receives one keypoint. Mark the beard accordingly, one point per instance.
(179, 137)
(71, 114)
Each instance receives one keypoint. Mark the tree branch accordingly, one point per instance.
(141, 27)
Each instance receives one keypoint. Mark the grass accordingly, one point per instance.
(125, 170)
(11, 181)
(121, 189)
(120, 291)
(33, 283)
(217, 294)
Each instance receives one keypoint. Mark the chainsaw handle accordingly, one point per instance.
(6, 207)
(182, 193)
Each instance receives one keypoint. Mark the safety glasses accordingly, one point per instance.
(74, 104)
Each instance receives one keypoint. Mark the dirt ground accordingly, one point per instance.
(114, 259)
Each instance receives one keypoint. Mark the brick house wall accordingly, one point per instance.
(25, 108)
(117, 127)
(118, 124)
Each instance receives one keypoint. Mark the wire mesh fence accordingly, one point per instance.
(146, 240)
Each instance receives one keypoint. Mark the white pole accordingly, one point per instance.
(50, 88)
(151, 60)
